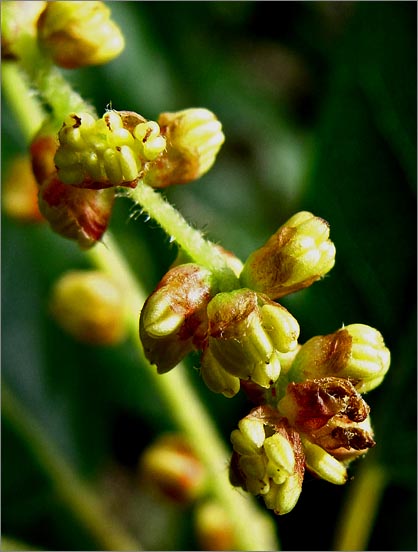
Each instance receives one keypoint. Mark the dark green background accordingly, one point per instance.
(318, 104)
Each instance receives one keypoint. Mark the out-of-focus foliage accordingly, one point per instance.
(318, 106)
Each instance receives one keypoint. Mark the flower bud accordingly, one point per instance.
(170, 467)
(77, 34)
(90, 307)
(268, 459)
(76, 214)
(331, 414)
(309, 405)
(343, 438)
(297, 255)
(245, 332)
(322, 464)
(213, 528)
(20, 192)
(216, 377)
(173, 319)
(106, 152)
(194, 137)
(356, 352)
(18, 21)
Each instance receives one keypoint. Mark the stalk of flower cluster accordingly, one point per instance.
(202, 251)
(253, 528)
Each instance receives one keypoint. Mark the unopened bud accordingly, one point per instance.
(216, 377)
(170, 467)
(194, 137)
(356, 352)
(322, 464)
(173, 319)
(245, 332)
(20, 192)
(111, 151)
(90, 307)
(76, 214)
(18, 21)
(77, 34)
(213, 527)
(297, 255)
(283, 498)
(268, 459)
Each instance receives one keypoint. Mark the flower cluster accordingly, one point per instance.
(310, 414)
(79, 165)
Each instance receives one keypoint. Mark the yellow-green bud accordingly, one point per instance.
(213, 527)
(322, 464)
(194, 137)
(268, 459)
(297, 255)
(173, 319)
(171, 469)
(356, 352)
(90, 306)
(106, 152)
(246, 330)
(77, 34)
(18, 22)
(283, 498)
(216, 377)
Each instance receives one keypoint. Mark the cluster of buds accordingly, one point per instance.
(106, 152)
(79, 165)
(310, 416)
(320, 400)
(244, 335)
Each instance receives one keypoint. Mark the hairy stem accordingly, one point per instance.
(188, 238)
(253, 528)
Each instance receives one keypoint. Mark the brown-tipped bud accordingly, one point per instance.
(172, 470)
(331, 414)
(18, 21)
(20, 192)
(173, 319)
(268, 459)
(297, 255)
(90, 306)
(77, 34)
(311, 404)
(194, 137)
(343, 438)
(356, 352)
(76, 214)
(213, 527)
(246, 330)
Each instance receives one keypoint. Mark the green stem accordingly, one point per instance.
(15, 87)
(202, 251)
(48, 80)
(81, 499)
(253, 529)
(360, 508)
